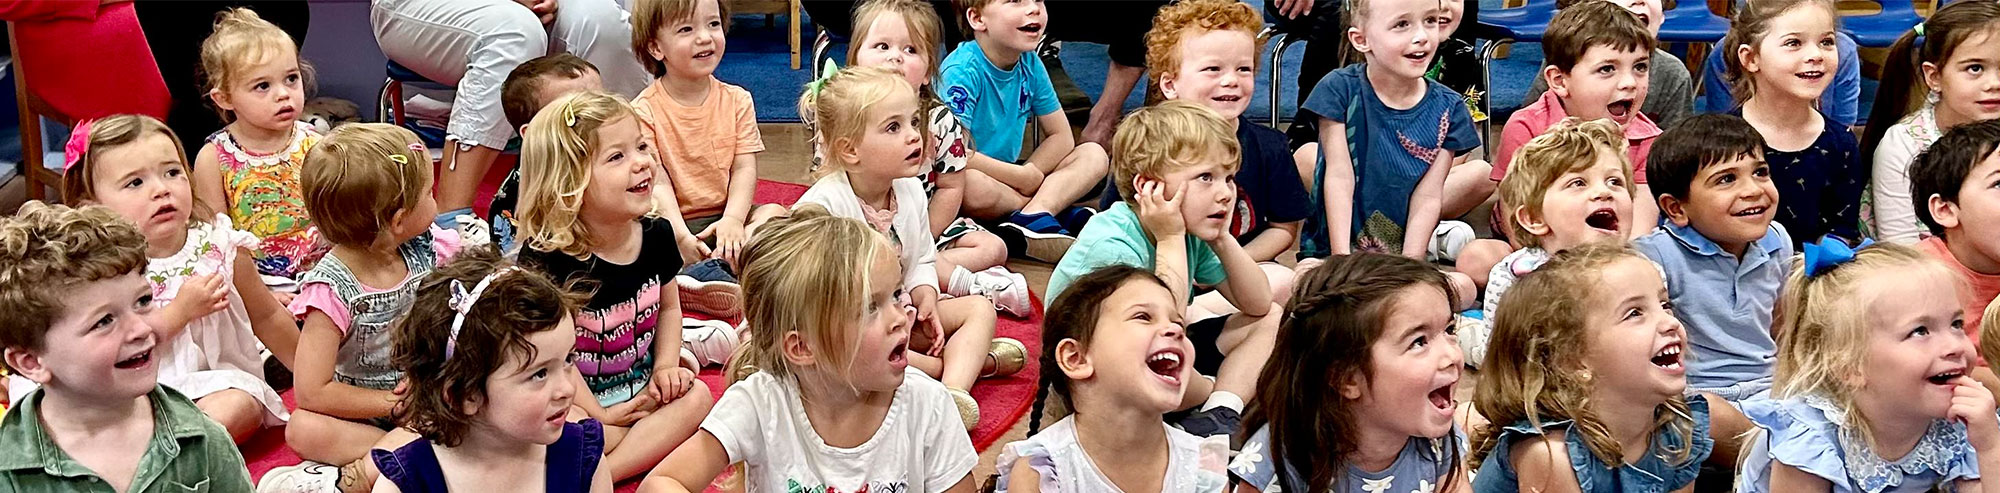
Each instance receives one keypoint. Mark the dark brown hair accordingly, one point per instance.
(45, 250)
(1942, 169)
(517, 94)
(1335, 314)
(1943, 32)
(514, 305)
(1694, 144)
(1578, 27)
(1073, 315)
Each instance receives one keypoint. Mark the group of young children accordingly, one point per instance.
(1660, 305)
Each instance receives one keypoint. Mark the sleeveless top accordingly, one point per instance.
(363, 359)
(572, 461)
(265, 198)
(1653, 473)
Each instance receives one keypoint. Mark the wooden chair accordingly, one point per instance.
(789, 8)
(39, 177)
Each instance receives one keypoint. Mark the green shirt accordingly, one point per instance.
(188, 453)
(1115, 237)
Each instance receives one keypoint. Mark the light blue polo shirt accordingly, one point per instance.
(1725, 304)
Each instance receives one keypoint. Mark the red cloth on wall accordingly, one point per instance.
(85, 60)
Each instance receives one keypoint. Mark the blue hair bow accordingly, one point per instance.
(1830, 252)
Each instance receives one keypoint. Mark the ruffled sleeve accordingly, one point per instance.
(320, 296)
(1039, 460)
(446, 243)
(1800, 436)
(590, 449)
(1684, 473)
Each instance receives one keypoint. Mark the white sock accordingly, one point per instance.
(961, 282)
(1223, 398)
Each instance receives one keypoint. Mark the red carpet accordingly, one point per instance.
(1002, 401)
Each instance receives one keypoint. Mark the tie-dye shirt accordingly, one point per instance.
(265, 199)
(614, 332)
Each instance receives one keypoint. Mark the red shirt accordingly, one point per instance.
(1545, 112)
(1982, 287)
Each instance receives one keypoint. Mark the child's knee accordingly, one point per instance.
(234, 409)
(1281, 279)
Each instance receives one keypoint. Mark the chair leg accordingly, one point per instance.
(1486, 54)
(793, 34)
(1277, 44)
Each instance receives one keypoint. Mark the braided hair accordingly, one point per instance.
(1073, 315)
(1335, 314)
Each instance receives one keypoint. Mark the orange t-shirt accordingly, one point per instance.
(1984, 287)
(699, 144)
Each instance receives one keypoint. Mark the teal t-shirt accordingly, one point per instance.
(1114, 237)
(995, 104)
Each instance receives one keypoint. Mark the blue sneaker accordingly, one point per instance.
(1074, 218)
(1040, 222)
(1219, 421)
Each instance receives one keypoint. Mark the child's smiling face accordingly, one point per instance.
(100, 346)
(691, 48)
(1605, 83)
(1414, 366)
(1017, 25)
(621, 172)
(1917, 348)
(1797, 56)
(1731, 203)
(1218, 69)
(1636, 345)
(1139, 349)
(1401, 36)
(1583, 205)
(1974, 218)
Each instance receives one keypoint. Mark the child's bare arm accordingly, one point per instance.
(1056, 142)
(1337, 187)
(196, 297)
(313, 377)
(1273, 241)
(669, 377)
(1245, 285)
(1425, 203)
(207, 174)
(269, 320)
(1162, 219)
(728, 231)
(946, 202)
(1542, 465)
(689, 468)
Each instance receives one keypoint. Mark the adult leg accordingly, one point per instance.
(175, 30)
(121, 76)
(235, 410)
(1323, 31)
(598, 31)
(473, 42)
(1076, 176)
(659, 433)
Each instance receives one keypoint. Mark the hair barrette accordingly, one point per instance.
(1919, 28)
(78, 145)
(1829, 253)
(826, 73)
(399, 159)
(461, 304)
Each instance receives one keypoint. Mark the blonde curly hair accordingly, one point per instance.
(555, 169)
(1570, 145)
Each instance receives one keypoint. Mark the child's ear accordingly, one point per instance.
(1943, 211)
(28, 365)
(1558, 80)
(845, 151)
(1167, 84)
(1528, 221)
(1352, 386)
(974, 20)
(1355, 38)
(795, 350)
(1675, 210)
(1071, 358)
(1747, 57)
(1931, 77)
(471, 404)
(221, 99)
(654, 50)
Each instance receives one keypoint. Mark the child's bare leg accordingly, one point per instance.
(235, 410)
(1466, 186)
(326, 439)
(1728, 425)
(658, 433)
(1479, 257)
(1281, 278)
(976, 251)
(1247, 342)
(1078, 174)
(968, 326)
(987, 198)
(946, 200)
(1307, 160)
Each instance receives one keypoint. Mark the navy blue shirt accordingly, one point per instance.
(1820, 187)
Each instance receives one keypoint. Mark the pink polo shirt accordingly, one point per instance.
(1538, 116)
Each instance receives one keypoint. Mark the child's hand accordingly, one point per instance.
(728, 235)
(925, 301)
(1973, 405)
(284, 298)
(692, 249)
(198, 297)
(631, 411)
(670, 383)
(1159, 214)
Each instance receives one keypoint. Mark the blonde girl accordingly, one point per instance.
(367, 186)
(868, 123)
(492, 394)
(1956, 62)
(1374, 333)
(215, 310)
(1584, 385)
(1781, 55)
(826, 400)
(1913, 420)
(252, 73)
(587, 215)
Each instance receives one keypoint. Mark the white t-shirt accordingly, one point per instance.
(1194, 464)
(920, 447)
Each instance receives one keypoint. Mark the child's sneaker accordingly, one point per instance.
(1449, 239)
(1040, 222)
(1007, 290)
(1074, 218)
(711, 341)
(968, 409)
(306, 477)
(1043, 247)
(718, 298)
(1217, 421)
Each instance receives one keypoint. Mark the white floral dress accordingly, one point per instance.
(217, 352)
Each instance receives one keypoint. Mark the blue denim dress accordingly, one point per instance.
(1654, 473)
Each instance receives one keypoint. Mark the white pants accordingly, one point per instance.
(477, 42)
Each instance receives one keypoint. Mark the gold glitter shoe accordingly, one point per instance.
(968, 409)
(1009, 356)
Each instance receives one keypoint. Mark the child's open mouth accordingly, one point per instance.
(704, 54)
(1227, 98)
(136, 361)
(1603, 220)
(1620, 109)
(1417, 56)
(900, 353)
(557, 416)
(1032, 28)
(1441, 400)
(915, 154)
(1669, 358)
(643, 187)
(1222, 215)
(1166, 364)
(1945, 378)
(1812, 75)
(1751, 212)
